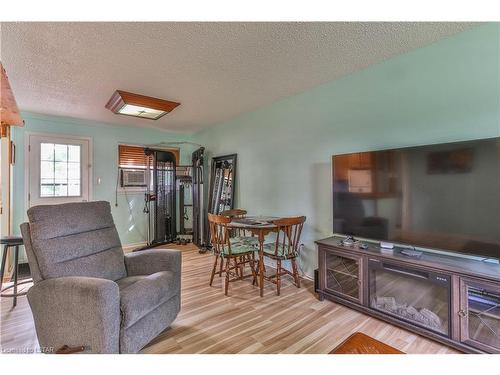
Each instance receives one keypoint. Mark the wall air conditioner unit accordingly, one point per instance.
(133, 178)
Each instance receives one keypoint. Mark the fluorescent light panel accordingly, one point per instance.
(146, 107)
(138, 111)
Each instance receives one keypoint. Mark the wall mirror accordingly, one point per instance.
(222, 183)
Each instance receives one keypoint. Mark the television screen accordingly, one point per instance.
(444, 196)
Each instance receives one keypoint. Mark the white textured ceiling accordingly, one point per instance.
(216, 70)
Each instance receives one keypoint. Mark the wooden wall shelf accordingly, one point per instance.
(9, 112)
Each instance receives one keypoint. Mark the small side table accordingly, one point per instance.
(11, 242)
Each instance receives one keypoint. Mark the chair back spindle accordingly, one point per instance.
(237, 213)
(219, 233)
(288, 235)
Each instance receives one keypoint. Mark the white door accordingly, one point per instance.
(59, 169)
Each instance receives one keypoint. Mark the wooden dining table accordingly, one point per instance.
(260, 226)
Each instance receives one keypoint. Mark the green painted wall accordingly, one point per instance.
(128, 216)
(447, 91)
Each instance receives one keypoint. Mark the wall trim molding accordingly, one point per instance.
(27, 135)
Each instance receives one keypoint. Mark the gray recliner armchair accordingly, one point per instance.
(86, 292)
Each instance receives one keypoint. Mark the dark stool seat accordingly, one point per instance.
(11, 242)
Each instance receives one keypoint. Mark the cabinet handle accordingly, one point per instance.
(462, 313)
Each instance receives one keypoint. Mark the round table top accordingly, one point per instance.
(253, 222)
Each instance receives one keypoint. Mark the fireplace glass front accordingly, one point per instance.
(413, 295)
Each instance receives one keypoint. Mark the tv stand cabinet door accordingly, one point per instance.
(342, 274)
(479, 314)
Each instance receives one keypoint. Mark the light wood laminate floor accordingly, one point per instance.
(243, 322)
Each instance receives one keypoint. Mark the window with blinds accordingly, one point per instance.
(133, 157)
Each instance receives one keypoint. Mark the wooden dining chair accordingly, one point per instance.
(236, 252)
(237, 213)
(286, 247)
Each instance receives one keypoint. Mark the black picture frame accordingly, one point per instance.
(217, 163)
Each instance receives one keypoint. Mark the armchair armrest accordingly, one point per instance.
(147, 262)
(76, 311)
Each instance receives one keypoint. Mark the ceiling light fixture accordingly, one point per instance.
(130, 104)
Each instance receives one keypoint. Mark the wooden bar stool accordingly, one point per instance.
(11, 242)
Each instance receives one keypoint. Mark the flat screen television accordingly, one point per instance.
(441, 196)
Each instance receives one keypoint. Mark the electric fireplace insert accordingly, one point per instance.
(410, 294)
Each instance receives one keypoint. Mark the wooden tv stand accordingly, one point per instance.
(469, 313)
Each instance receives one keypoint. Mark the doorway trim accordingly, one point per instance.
(64, 136)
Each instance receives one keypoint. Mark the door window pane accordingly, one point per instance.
(47, 187)
(47, 151)
(47, 169)
(60, 168)
(74, 153)
(73, 171)
(60, 171)
(61, 190)
(74, 188)
(61, 152)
